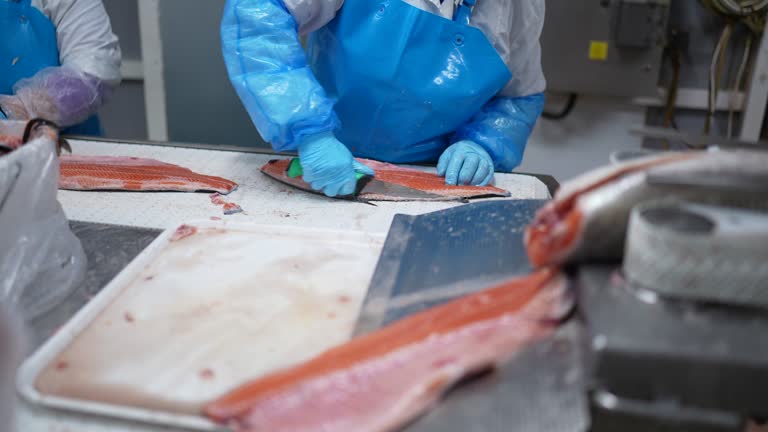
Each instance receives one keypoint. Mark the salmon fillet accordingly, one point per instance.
(389, 173)
(135, 174)
(385, 379)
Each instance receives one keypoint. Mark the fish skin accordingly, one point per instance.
(383, 380)
(389, 173)
(588, 218)
(135, 174)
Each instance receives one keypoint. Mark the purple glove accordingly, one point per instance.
(59, 94)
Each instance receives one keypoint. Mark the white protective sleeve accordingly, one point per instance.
(85, 38)
(90, 58)
(513, 27)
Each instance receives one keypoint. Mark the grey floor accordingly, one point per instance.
(584, 140)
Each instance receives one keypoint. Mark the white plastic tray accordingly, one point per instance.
(303, 242)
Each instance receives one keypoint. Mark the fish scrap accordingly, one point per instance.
(90, 173)
(230, 208)
(383, 380)
(432, 184)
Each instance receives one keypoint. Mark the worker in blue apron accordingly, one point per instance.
(453, 81)
(63, 72)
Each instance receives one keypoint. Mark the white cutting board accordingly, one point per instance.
(190, 319)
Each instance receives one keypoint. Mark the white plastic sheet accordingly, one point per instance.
(41, 261)
(10, 357)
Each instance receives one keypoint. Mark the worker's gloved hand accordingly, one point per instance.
(329, 166)
(13, 108)
(466, 163)
(2, 115)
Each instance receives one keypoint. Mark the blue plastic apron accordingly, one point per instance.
(28, 45)
(404, 79)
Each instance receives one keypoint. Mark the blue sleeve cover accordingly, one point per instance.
(268, 68)
(503, 127)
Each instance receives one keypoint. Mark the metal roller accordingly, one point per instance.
(698, 252)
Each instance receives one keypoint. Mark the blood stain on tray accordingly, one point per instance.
(207, 374)
(344, 299)
(183, 232)
(331, 315)
(62, 365)
(129, 317)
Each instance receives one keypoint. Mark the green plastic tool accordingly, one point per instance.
(295, 170)
(371, 186)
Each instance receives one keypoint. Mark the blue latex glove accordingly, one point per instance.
(2, 115)
(503, 127)
(329, 166)
(466, 163)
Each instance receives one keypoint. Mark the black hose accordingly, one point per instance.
(572, 98)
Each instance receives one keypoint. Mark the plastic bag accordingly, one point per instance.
(11, 350)
(62, 94)
(41, 260)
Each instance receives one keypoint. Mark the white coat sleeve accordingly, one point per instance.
(90, 57)
(311, 15)
(504, 125)
(514, 28)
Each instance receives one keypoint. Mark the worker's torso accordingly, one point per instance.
(28, 44)
(404, 78)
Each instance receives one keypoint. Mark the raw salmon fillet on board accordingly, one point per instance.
(135, 174)
(383, 380)
(403, 179)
